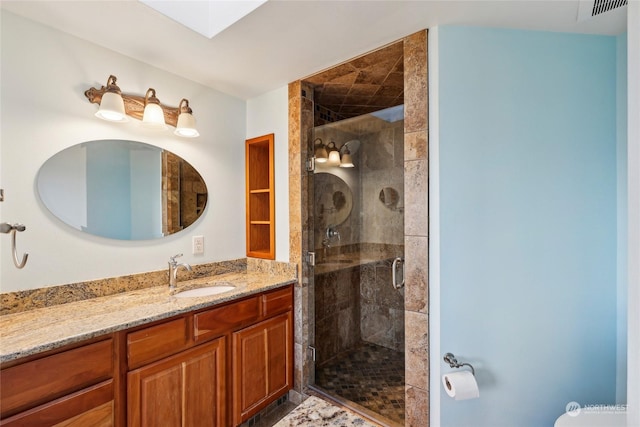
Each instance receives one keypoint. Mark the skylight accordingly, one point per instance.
(391, 115)
(207, 18)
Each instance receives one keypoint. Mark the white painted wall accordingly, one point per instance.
(43, 78)
(267, 114)
(435, 350)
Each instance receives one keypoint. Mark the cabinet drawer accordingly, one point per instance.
(38, 381)
(92, 406)
(155, 342)
(211, 323)
(277, 301)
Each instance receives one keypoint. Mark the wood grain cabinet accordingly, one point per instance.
(73, 387)
(262, 365)
(187, 389)
(212, 367)
(260, 197)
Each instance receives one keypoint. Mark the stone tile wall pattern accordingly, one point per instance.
(337, 312)
(193, 194)
(300, 120)
(416, 180)
(382, 168)
(381, 307)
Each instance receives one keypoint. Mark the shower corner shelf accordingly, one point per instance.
(260, 197)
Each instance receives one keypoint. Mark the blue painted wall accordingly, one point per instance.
(621, 133)
(109, 191)
(528, 221)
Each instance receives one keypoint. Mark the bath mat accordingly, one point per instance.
(315, 412)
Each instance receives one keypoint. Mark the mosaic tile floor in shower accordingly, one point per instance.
(369, 375)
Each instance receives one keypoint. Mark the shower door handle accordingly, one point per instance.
(394, 274)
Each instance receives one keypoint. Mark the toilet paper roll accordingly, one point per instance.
(461, 385)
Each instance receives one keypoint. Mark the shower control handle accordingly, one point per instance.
(394, 275)
(332, 232)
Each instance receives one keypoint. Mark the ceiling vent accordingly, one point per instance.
(589, 8)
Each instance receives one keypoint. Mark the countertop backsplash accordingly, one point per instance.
(20, 301)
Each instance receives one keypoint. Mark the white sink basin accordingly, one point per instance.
(205, 291)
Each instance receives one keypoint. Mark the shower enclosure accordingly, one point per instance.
(356, 227)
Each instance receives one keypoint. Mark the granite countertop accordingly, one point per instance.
(34, 331)
(316, 412)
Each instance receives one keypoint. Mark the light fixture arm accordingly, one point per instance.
(150, 97)
(134, 104)
(184, 107)
(111, 85)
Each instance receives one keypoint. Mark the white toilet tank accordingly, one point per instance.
(592, 419)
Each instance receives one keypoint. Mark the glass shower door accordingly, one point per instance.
(356, 230)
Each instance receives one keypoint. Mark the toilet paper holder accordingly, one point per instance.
(453, 362)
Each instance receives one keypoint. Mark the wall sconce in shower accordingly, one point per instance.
(334, 154)
(345, 158)
(330, 155)
(346, 150)
(116, 106)
(320, 151)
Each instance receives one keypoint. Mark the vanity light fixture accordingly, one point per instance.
(116, 106)
(320, 153)
(112, 104)
(153, 116)
(345, 160)
(186, 125)
(330, 155)
(334, 154)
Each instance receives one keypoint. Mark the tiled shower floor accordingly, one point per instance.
(369, 375)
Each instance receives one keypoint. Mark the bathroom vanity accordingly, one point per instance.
(148, 358)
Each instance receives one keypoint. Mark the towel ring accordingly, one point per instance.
(5, 227)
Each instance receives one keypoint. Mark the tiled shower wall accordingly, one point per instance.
(415, 229)
(184, 194)
(381, 165)
(379, 170)
(355, 304)
(381, 307)
(337, 309)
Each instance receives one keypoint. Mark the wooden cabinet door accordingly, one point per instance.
(186, 390)
(262, 365)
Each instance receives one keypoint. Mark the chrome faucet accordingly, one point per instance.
(173, 270)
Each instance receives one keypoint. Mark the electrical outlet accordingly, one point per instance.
(198, 245)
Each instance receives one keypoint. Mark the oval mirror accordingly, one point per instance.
(123, 190)
(333, 199)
